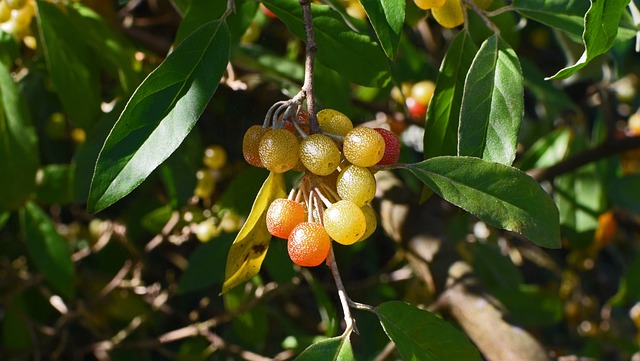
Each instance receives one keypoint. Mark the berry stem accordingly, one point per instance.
(482, 15)
(310, 53)
(342, 293)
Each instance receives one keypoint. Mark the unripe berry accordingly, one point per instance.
(15, 4)
(370, 219)
(391, 146)
(356, 184)
(205, 184)
(279, 150)
(344, 222)
(308, 244)
(449, 15)
(428, 4)
(5, 12)
(363, 146)
(251, 145)
(206, 230)
(282, 217)
(334, 122)
(423, 91)
(319, 154)
(215, 157)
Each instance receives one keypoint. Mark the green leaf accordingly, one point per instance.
(443, 113)
(335, 349)
(566, 15)
(502, 196)
(79, 90)
(387, 18)
(55, 184)
(18, 145)
(493, 268)
(206, 265)
(625, 192)
(47, 249)
(252, 242)
(548, 150)
(492, 104)
(354, 55)
(16, 334)
(160, 114)
(420, 335)
(531, 306)
(179, 171)
(600, 31)
(200, 12)
(251, 325)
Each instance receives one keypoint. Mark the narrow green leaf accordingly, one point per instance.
(387, 18)
(420, 335)
(443, 113)
(200, 12)
(18, 145)
(252, 242)
(502, 196)
(548, 150)
(492, 104)
(625, 192)
(354, 55)
(600, 31)
(331, 349)
(160, 114)
(79, 90)
(47, 249)
(566, 15)
(15, 333)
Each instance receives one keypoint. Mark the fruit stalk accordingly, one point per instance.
(342, 294)
(310, 53)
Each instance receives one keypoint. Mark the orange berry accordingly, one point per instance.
(308, 244)
(251, 145)
(278, 150)
(283, 216)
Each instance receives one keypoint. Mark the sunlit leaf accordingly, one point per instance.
(492, 104)
(548, 150)
(336, 349)
(47, 249)
(502, 196)
(387, 18)
(420, 335)
(566, 15)
(160, 114)
(18, 145)
(252, 242)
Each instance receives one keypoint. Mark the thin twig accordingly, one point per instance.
(342, 293)
(482, 15)
(310, 53)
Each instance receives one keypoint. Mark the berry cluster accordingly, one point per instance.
(449, 13)
(417, 99)
(331, 200)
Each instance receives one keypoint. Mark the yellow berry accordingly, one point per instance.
(251, 145)
(205, 184)
(363, 147)
(356, 184)
(344, 222)
(279, 150)
(449, 15)
(423, 91)
(215, 157)
(370, 219)
(428, 4)
(319, 154)
(5, 12)
(334, 122)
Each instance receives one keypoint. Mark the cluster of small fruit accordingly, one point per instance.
(16, 16)
(449, 13)
(332, 199)
(417, 95)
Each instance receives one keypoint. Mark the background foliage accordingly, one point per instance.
(114, 234)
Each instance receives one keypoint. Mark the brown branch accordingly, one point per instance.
(602, 151)
(310, 53)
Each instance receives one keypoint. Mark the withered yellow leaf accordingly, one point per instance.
(252, 242)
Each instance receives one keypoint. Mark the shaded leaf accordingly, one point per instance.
(492, 104)
(354, 55)
(387, 18)
(531, 306)
(252, 242)
(206, 265)
(420, 335)
(47, 249)
(494, 269)
(15, 332)
(600, 31)
(55, 184)
(443, 114)
(250, 325)
(79, 90)
(625, 192)
(502, 196)
(335, 349)
(160, 114)
(18, 145)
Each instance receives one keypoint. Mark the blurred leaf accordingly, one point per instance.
(494, 269)
(420, 335)
(625, 192)
(200, 12)
(18, 145)
(629, 289)
(247, 181)
(206, 265)
(179, 170)
(566, 15)
(47, 249)
(79, 90)
(502, 196)
(332, 89)
(278, 264)
(250, 246)
(154, 221)
(337, 349)
(354, 55)
(492, 104)
(531, 306)
(554, 99)
(387, 18)
(4, 217)
(251, 325)
(9, 49)
(160, 114)
(600, 30)
(15, 334)
(443, 113)
(548, 150)
(55, 182)
(326, 307)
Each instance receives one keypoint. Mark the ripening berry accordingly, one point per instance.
(215, 157)
(391, 146)
(344, 221)
(282, 217)
(15, 4)
(449, 15)
(356, 184)
(251, 145)
(370, 219)
(206, 230)
(205, 185)
(417, 110)
(363, 147)
(634, 124)
(422, 91)
(319, 154)
(334, 122)
(279, 150)
(308, 244)
(428, 4)
(5, 12)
